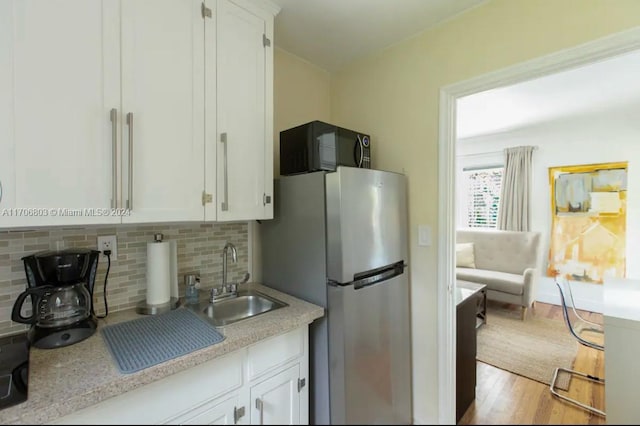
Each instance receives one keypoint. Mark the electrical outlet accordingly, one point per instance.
(108, 242)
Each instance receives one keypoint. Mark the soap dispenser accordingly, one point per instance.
(192, 284)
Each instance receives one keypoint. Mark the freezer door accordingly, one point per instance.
(366, 221)
(370, 353)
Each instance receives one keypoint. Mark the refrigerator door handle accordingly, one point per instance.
(379, 276)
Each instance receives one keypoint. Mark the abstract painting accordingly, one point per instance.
(588, 229)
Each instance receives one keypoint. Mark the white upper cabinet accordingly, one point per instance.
(59, 79)
(239, 81)
(162, 110)
(103, 106)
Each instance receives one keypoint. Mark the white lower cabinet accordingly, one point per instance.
(264, 383)
(276, 401)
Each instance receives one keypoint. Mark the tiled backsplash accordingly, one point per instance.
(199, 250)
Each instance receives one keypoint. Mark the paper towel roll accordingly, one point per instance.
(174, 268)
(158, 272)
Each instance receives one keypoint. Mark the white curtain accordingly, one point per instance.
(514, 212)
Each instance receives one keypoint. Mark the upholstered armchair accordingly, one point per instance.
(508, 262)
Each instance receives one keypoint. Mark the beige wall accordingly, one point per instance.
(394, 95)
(300, 94)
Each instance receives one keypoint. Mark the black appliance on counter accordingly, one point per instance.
(319, 146)
(60, 285)
(14, 369)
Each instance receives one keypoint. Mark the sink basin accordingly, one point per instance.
(247, 304)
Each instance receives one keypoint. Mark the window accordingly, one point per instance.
(482, 188)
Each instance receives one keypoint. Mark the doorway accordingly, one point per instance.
(588, 53)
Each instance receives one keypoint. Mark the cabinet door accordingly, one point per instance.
(218, 412)
(239, 140)
(276, 401)
(59, 79)
(163, 107)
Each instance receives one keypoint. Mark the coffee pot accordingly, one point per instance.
(54, 306)
(60, 286)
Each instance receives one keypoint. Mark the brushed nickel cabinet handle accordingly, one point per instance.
(130, 125)
(260, 406)
(114, 157)
(225, 204)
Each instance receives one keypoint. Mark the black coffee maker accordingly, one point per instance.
(60, 284)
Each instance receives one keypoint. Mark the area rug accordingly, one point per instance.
(532, 348)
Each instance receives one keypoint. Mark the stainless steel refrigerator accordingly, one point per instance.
(339, 240)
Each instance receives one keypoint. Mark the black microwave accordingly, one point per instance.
(318, 146)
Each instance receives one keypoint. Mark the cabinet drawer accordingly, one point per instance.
(158, 401)
(273, 352)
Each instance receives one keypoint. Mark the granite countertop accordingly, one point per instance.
(68, 379)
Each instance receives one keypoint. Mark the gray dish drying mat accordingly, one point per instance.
(144, 342)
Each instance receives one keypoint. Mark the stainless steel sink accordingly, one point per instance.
(247, 304)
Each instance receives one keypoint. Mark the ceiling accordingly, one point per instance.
(612, 83)
(331, 33)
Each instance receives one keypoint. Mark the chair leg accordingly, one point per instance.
(533, 304)
(524, 312)
(552, 387)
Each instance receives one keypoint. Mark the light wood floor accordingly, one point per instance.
(506, 398)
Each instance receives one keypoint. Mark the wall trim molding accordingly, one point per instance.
(581, 303)
(583, 54)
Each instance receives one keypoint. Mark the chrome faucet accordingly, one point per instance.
(226, 290)
(232, 291)
(234, 257)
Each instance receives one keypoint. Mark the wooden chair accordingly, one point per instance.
(577, 326)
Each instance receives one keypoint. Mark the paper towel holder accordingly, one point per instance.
(145, 308)
(148, 309)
